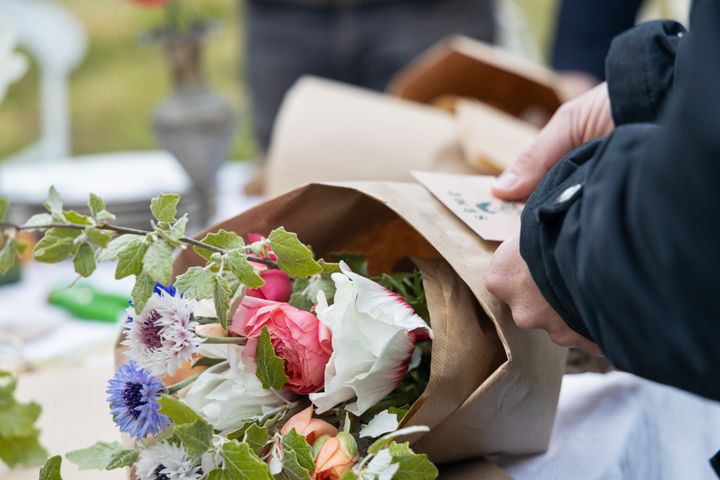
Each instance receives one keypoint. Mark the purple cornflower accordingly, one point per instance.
(133, 395)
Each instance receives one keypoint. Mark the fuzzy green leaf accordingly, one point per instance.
(221, 239)
(157, 263)
(76, 218)
(164, 207)
(196, 283)
(177, 230)
(51, 469)
(103, 456)
(238, 264)
(22, 451)
(415, 467)
(18, 419)
(4, 207)
(195, 436)
(116, 246)
(293, 257)
(220, 298)
(53, 204)
(178, 412)
(96, 205)
(270, 367)
(98, 237)
(257, 437)
(84, 260)
(8, 254)
(130, 258)
(356, 261)
(298, 460)
(56, 245)
(329, 268)
(305, 291)
(240, 464)
(142, 290)
(39, 220)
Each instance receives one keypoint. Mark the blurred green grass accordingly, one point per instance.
(114, 91)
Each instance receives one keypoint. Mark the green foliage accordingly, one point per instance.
(298, 461)
(240, 463)
(409, 286)
(4, 207)
(103, 456)
(413, 466)
(116, 246)
(157, 262)
(19, 443)
(221, 239)
(270, 367)
(164, 207)
(84, 260)
(51, 469)
(196, 283)
(142, 291)
(177, 411)
(305, 291)
(257, 437)
(293, 257)
(9, 252)
(356, 261)
(238, 264)
(56, 245)
(196, 436)
(220, 299)
(130, 258)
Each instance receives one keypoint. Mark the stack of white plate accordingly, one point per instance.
(126, 181)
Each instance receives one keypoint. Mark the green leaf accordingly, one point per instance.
(305, 291)
(22, 451)
(56, 245)
(84, 260)
(53, 204)
(243, 270)
(270, 367)
(241, 464)
(103, 456)
(221, 239)
(220, 298)
(122, 458)
(356, 261)
(7, 388)
(18, 419)
(142, 291)
(177, 231)
(4, 207)
(349, 475)
(178, 412)
(8, 255)
(157, 263)
(293, 257)
(51, 469)
(329, 268)
(298, 460)
(195, 436)
(164, 207)
(96, 205)
(130, 258)
(257, 437)
(39, 220)
(415, 467)
(196, 283)
(101, 238)
(76, 218)
(116, 246)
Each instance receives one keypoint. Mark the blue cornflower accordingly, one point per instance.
(133, 395)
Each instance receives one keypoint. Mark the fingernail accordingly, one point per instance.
(506, 181)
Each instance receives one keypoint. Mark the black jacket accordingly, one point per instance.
(623, 235)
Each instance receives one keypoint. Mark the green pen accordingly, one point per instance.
(86, 302)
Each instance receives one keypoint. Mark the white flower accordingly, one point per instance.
(167, 462)
(162, 337)
(12, 64)
(373, 336)
(229, 394)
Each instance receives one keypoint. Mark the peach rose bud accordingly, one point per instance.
(308, 427)
(335, 457)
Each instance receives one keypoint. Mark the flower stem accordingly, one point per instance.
(223, 340)
(180, 385)
(130, 231)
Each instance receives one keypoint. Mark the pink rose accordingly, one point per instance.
(299, 339)
(278, 286)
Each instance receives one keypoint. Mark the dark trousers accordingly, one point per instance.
(362, 44)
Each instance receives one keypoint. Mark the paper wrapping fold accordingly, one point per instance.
(493, 387)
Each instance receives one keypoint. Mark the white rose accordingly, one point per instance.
(229, 394)
(373, 336)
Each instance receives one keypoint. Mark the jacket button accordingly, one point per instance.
(567, 194)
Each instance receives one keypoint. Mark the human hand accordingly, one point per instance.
(509, 279)
(576, 122)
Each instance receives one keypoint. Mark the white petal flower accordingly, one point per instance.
(162, 337)
(373, 336)
(167, 462)
(384, 422)
(229, 394)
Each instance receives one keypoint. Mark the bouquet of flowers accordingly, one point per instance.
(252, 355)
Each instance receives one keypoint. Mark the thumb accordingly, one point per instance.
(552, 143)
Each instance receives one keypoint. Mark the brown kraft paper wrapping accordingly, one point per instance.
(493, 388)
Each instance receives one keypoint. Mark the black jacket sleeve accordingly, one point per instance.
(622, 236)
(584, 30)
